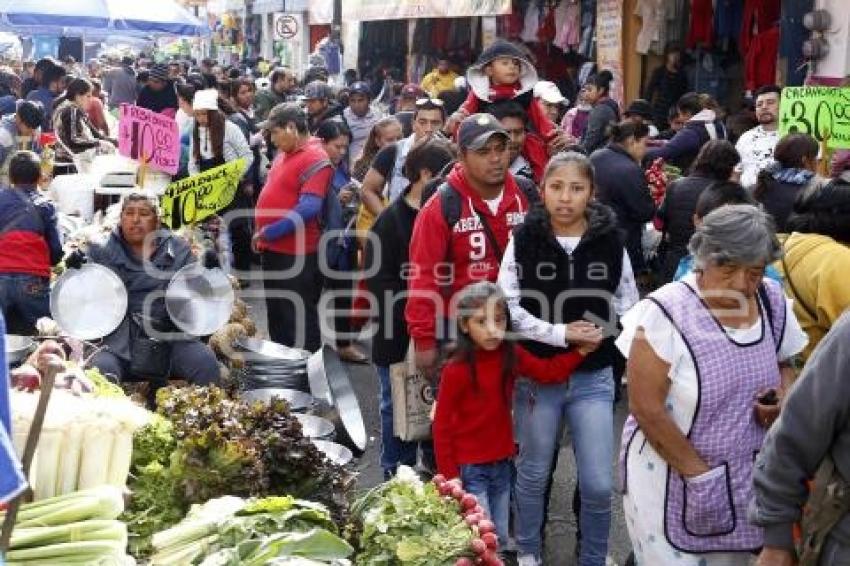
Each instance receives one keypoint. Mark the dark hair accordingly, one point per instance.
(823, 210)
(237, 84)
(277, 74)
(628, 129)
(288, 113)
(433, 154)
(44, 64)
(716, 160)
(185, 91)
(370, 149)
(52, 74)
(790, 153)
(332, 129)
(31, 113)
(471, 298)
(508, 109)
(24, 168)
(602, 80)
(453, 99)
(429, 106)
(721, 193)
(75, 88)
(767, 89)
(690, 103)
(216, 124)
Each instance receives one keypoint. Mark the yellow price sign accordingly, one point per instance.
(819, 111)
(200, 196)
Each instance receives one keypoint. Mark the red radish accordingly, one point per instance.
(490, 558)
(469, 501)
(464, 561)
(478, 546)
(471, 520)
(491, 540)
(438, 479)
(486, 526)
(445, 489)
(458, 492)
(478, 509)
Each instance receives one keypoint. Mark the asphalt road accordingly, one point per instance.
(561, 527)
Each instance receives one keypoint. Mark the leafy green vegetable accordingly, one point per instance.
(102, 386)
(317, 544)
(154, 506)
(406, 522)
(153, 442)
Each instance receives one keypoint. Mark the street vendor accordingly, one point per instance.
(146, 256)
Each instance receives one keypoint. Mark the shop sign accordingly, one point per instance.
(321, 11)
(150, 137)
(609, 43)
(286, 27)
(820, 111)
(200, 196)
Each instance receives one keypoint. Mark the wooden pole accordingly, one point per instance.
(143, 170)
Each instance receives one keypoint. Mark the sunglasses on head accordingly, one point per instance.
(430, 102)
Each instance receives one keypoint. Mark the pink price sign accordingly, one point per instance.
(147, 136)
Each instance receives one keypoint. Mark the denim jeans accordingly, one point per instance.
(491, 484)
(394, 452)
(23, 299)
(586, 404)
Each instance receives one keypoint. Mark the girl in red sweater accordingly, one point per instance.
(473, 429)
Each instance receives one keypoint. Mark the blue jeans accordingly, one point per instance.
(491, 484)
(586, 402)
(394, 452)
(24, 299)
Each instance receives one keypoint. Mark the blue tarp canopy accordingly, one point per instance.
(99, 18)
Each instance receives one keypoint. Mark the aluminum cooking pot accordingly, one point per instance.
(298, 400)
(18, 348)
(336, 453)
(330, 384)
(88, 303)
(199, 300)
(315, 427)
(265, 351)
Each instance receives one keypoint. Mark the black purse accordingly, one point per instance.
(149, 358)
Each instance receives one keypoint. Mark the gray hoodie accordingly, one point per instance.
(815, 421)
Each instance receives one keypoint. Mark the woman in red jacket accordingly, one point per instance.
(474, 401)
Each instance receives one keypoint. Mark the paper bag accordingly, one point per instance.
(413, 398)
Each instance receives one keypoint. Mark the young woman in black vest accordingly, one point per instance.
(567, 277)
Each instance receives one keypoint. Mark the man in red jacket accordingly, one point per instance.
(445, 258)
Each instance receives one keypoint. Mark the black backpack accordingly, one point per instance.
(450, 198)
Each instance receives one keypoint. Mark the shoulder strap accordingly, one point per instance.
(768, 308)
(795, 294)
(450, 204)
(529, 189)
(312, 170)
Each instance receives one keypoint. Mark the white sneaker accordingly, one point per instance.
(527, 560)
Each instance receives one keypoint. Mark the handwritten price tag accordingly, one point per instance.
(822, 112)
(200, 196)
(147, 136)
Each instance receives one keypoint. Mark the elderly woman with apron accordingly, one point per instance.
(215, 141)
(708, 362)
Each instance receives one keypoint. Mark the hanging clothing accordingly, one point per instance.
(702, 30)
(568, 25)
(530, 24)
(759, 17)
(707, 76)
(678, 23)
(728, 18)
(760, 59)
(651, 13)
(791, 36)
(588, 25)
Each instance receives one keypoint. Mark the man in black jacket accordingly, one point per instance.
(387, 252)
(318, 98)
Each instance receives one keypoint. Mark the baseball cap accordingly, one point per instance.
(549, 92)
(412, 90)
(318, 90)
(360, 87)
(476, 130)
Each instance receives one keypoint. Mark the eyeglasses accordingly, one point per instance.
(430, 102)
